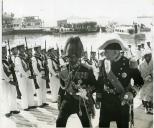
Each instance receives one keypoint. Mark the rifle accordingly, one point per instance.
(46, 69)
(58, 54)
(13, 72)
(31, 67)
(98, 54)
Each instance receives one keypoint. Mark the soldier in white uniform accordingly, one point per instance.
(146, 92)
(22, 75)
(14, 53)
(8, 86)
(40, 75)
(53, 75)
(30, 82)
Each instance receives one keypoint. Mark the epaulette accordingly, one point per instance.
(86, 66)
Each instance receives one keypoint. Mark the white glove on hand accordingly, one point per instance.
(82, 93)
(148, 78)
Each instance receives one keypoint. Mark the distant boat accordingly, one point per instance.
(128, 32)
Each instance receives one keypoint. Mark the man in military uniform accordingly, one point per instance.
(30, 81)
(77, 86)
(114, 92)
(146, 92)
(23, 74)
(39, 71)
(12, 59)
(53, 75)
(8, 86)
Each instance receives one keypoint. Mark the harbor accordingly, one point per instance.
(74, 64)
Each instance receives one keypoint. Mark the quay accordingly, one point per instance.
(46, 118)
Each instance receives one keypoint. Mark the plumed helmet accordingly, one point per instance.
(73, 46)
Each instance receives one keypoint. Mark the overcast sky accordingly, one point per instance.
(53, 10)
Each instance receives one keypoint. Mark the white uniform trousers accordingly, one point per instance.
(30, 91)
(41, 92)
(9, 101)
(23, 88)
(54, 86)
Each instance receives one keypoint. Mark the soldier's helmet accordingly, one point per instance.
(73, 46)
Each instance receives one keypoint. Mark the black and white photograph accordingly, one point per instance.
(76, 63)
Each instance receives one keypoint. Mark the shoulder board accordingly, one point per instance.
(86, 66)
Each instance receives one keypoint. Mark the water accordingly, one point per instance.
(90, 40)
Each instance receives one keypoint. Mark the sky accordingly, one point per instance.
(52, 10)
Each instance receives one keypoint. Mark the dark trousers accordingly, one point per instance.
(70, 106)
(111, 110)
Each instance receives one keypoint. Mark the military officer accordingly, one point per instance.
(39, 71)
(114, 92)
(77, 85)
(53, 75)
(8, 86)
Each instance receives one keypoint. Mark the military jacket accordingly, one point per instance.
(123, 72)
(82, 74)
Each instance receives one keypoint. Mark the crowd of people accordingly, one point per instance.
(73, 78)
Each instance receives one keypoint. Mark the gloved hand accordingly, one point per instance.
(13, 83)
(82, 93)
(148, 78)
(128, 98)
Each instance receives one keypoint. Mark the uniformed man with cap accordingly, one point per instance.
(146, 92)
(45, 65)
(40, 76)
(30, 81)
(8, 86)
(12, 58)
(114, 92)
(54, 69)
(77, 85)
(22, 73)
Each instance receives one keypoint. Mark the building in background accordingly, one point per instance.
(7, 22)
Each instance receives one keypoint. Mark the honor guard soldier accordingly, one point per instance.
(114, 92)
(12, 58)
(77, 85)
(39, 71)
(8, 86)
(53, 75)
(30, 81)
(22, 73)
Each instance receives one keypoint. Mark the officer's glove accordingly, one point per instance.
(98, 105)
(82, 93)
(148, 78)
(128, 98)
(31, 77)
(13, 83)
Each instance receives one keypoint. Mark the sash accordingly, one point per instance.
(114, 81)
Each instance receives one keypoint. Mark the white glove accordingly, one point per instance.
(148, 78)
(82, 93)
